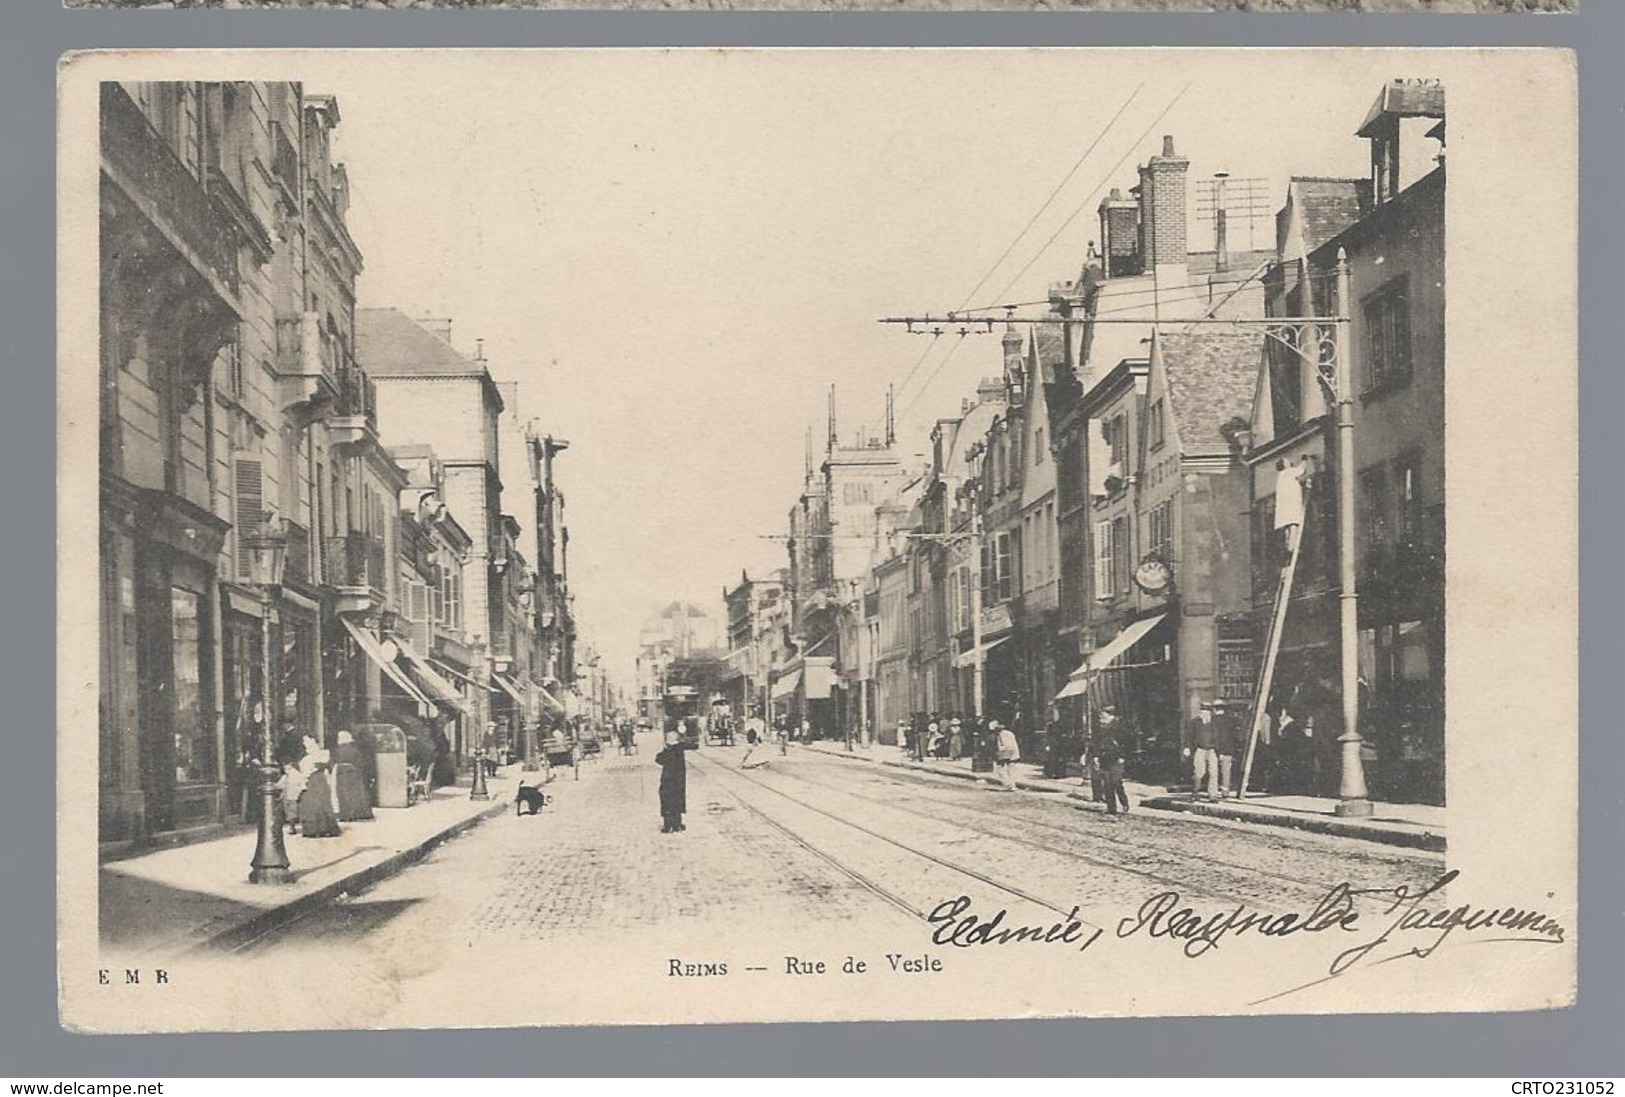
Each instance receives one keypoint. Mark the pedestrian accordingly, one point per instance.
(1201, 741)
(1007, 752)
(933, 739)
(318, 806)
(350, 784)
(1231, 742)
(956, 739)
(1108, 752)
(673, 782)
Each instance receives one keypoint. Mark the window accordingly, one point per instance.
(1388, 336)
(1408, 497)
(1003, 568)
(1374, 506)
(194, 733)
(998, 560)
(451, 596)
(1121, 564)
(1038, 446)
(1160, 531)
(1153, 425)
(249, 509)
(857, 493)
(1117, 438)
(1105, 560)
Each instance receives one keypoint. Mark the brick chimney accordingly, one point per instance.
(1164, 204)
(1120, 235)
(1014, 363)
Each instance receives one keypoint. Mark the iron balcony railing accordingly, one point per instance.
(138, 153)
(356, 560)
(360, 396)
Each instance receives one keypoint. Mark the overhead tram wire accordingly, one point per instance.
(1011, 247)
(912, 370)
(1155, 122)
(1067, 178)
(921, 391)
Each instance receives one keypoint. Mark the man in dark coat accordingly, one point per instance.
(673, 783)
(1107, 754)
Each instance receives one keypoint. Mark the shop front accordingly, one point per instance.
(163, 762)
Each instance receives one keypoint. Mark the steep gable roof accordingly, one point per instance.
(390, 343)
(1049, 346)
(1211, 377)
(1328, 206)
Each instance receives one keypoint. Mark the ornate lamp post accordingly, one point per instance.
(267, 553)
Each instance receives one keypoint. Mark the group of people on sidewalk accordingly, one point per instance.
(322, 788)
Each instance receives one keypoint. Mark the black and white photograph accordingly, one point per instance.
(671, 536)
(1249, 7)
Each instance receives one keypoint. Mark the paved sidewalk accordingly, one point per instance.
(198, 896)
(1417, 826)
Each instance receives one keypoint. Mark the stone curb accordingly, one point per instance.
(262, 922)
(1411, 839)
(1315, 824)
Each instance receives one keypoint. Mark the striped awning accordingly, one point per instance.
(433, 684)
(374, 650)
(1102, 658)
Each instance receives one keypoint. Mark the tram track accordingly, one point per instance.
(1201, 862)
(845, 867)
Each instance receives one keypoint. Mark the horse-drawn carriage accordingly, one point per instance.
(561, 750)
(722, 725)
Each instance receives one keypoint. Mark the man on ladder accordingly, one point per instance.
(1291, 481)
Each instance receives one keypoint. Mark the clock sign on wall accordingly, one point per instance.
(1153, 576)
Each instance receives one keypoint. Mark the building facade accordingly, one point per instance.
(234, 417)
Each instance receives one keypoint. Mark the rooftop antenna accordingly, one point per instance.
(891, 416)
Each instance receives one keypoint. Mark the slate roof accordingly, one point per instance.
(1211, 374)
(1328, 206)
(1407, 99)
(390, 343)
(1049, 342)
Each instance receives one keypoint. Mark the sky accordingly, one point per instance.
(676, 253)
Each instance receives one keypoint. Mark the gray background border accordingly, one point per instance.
(1574, 1043)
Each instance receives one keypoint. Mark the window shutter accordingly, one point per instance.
(250, 507)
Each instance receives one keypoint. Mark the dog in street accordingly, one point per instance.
(530, 797)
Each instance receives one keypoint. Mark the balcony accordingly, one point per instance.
(140, 162)
(298, 566)
(356, 563)
(285, 166)
(356, 418)
(306, 365)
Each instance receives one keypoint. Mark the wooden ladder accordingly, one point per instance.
(1272, 648)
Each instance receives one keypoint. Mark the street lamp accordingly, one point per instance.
(267, 554)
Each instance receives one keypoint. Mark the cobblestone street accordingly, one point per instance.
(806, 840)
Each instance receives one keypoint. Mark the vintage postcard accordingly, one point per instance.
(668, 536)
(1385, 7)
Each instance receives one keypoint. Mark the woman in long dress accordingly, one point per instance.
(318, 815)
(355, 801)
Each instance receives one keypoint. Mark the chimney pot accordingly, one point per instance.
(1168, 144)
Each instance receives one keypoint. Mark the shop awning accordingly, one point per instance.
(511, 690)
(434, 685)
(787, 685)
(1103, 657)
(966, 658)
(550, 703)
(818, 680)
(369, 644)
